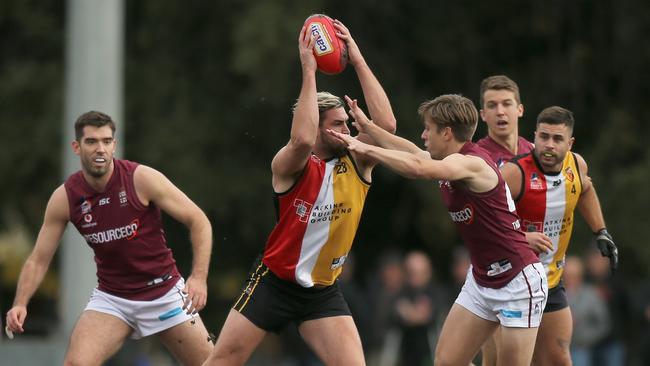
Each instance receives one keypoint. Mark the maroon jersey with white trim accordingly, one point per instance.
(131, 253)
(489, 226)
(499, 154)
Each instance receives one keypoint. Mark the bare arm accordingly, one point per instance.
(379, 106)
(36, 265)
(379, 136)
(588, 204)
(291, 159)
(472, 170)
(153, 186)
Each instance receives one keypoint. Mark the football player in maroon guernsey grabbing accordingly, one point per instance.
(506, 286)
(115, 205)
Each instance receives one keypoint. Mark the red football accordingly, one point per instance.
(331, 52)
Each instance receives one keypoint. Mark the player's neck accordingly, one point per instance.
(510, 142)
(99, 183)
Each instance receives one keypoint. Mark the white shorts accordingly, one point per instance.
(519, 304)
(145, 317)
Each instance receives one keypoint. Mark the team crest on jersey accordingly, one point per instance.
(303, 209)
(535, 182)
(533, 226)
(568, 172)
(86, 206)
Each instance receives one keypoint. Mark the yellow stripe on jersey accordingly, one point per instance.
(572, 190)
(349, 194)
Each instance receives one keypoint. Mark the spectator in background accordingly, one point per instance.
(591, 320)
(383, 294)
(610, 351)
(420, 311)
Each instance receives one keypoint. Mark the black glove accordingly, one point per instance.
(607, 247)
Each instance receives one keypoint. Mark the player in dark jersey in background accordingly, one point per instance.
(506, 286)
(548, 185)
(115, 205)
(320, 189)
(500, 110)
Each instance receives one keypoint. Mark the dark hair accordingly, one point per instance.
(454, 111)
(92, 118)
(556, 116)
(499, 82)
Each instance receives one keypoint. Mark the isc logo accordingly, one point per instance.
(323, 44)
(104, 201)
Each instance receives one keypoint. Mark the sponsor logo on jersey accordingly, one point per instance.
(127, 232)
(557, 182)
(302, 209)
(323, 44)
(104, 201)
(466, 215)
(499, 267)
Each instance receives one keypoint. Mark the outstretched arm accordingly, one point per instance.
(291, 159)
(379, 136)
(36, 265)
(474, 171)
(153, 186)
(379, 106)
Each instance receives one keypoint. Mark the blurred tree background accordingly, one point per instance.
(209, 85)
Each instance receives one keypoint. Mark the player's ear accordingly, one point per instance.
(76, 147)
(520, 107)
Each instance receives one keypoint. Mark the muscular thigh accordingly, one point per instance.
(189, 342)
(461, 337)
(334, 339)
(96, 337)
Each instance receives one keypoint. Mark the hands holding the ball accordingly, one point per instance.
(306, 48)
(355, 58)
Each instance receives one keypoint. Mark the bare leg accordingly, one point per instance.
(238, 339)
(335, 340)
(189, 342)
(489, 350)
(515, 346)
(462, 335)
(554, 338)
(95, 338)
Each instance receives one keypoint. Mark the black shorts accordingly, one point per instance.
(271, 303)
(557, 299)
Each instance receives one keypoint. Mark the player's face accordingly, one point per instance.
(336, 120)
(95, 150)
(434, 141)
(501, 112)
(552, 142)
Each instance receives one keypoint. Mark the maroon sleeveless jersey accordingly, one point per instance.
(499, 154)
(131, 253)
(489, 226)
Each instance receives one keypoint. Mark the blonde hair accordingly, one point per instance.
(454, 111)
(326, 101)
